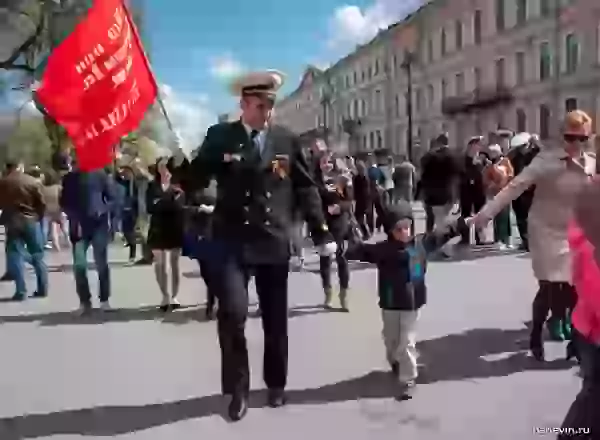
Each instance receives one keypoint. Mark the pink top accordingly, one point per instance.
(586, 279)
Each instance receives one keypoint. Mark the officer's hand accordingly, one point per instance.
(327, 249)
(333, 209)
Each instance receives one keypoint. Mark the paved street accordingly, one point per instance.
(134, 375)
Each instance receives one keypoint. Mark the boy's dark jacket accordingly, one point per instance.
(402, 267)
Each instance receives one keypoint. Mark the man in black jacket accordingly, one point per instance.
(262, 177)
(523, 149)
(440, 173)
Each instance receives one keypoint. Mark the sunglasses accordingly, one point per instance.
(572, 138)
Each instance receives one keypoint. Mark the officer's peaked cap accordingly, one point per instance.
(267, 83)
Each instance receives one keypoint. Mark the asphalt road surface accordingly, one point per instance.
(134, 374)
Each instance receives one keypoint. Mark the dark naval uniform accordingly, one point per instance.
(257, 194)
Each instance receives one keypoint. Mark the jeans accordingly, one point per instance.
(99, 240)
(24, 245)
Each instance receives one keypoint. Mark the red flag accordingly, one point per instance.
(98, 83)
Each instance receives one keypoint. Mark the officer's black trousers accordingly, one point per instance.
(231, 287)
(583, 417)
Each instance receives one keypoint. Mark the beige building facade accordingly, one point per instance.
(477, 65)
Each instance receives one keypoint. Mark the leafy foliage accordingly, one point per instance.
(29, 142)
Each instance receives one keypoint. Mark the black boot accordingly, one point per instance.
(536, 347)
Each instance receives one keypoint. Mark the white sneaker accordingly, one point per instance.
(105, 306)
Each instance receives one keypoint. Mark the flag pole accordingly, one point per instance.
(138, 40)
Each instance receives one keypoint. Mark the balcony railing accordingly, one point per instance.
(479, 99)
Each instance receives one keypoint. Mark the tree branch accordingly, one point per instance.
(13, 66)
(28, 43)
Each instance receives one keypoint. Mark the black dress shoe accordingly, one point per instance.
(238, 407)
(276, 397)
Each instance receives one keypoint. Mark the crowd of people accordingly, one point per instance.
(245, 205)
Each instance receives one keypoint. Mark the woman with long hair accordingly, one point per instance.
(558, 175)
(336, 195)
(165, 204)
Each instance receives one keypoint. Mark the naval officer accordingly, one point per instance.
(262, 179)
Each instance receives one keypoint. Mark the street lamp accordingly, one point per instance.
(327, 93)
(409, 59)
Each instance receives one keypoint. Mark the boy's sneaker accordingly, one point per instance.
(105, 306)
(406, 390)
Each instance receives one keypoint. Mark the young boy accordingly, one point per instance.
(402, 264)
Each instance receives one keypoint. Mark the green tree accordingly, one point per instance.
(29, 142)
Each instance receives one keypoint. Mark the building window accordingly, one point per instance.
(379, 140)
(545, 10)
(477, 27)
(430, 95)
(500, 77)
(598, 44)
(477, 77)
(378, 104)
(521, 12)
(418, 100)
(545, 61)
(443, 48)
(544, 122)
(444, 89)
(376, 72)
(500, 16)
(397, 105)
(460, 84)
(520, 68)
(356, 109)
(363, 76)
(363, 107)
(572, 55)
(570, 105)
(371, 140)
(458, 34)
(521, 120)
(430, 50)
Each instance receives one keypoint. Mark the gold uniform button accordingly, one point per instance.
(246, 222)
(247, 193)
(268, 210)
(246, 208)
(268, 195)
(267, 222)
(324, 227)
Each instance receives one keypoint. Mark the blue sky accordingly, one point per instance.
(198, 45)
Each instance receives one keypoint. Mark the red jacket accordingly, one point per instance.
(586, 279)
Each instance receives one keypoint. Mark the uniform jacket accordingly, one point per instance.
(557, 180)
(257, 192)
